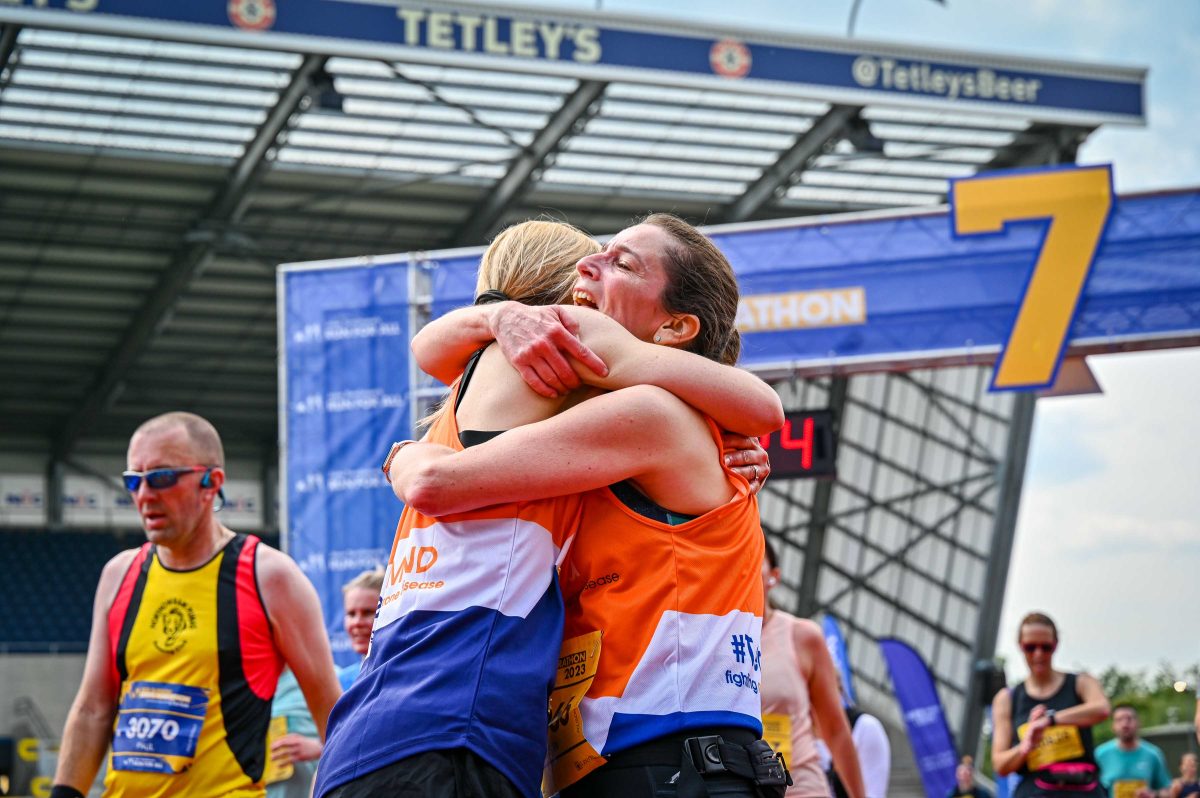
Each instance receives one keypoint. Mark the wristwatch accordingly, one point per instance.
(387, 463)
(1050, 716)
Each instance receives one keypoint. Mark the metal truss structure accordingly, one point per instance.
(912, 539)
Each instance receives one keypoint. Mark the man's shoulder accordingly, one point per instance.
(1104, 749)
(1150, 749)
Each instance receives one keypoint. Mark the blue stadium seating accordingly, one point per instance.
(49, 583)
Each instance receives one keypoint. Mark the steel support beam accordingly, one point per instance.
(1012, 474)
(566, 120)
(808, 145)
(8, 46)
(54, 494)
(227, 207)
(1040, 145)
(814, 545)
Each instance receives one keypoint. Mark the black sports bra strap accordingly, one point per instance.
(468, 372)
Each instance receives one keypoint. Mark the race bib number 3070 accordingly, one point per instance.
(158, 726)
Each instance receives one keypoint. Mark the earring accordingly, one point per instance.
(658, 339)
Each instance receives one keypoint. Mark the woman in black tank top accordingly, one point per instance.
(1043, 726)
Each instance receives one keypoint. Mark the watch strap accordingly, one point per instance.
(387, 463)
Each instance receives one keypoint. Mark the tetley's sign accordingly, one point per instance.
(607, 47)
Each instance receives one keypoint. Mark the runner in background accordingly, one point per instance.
(1043, 726)
(965, 785)
(189, 635)
(800, 695)
(1186, 785)
(874, 754)
(295, 746)
(1130, 767)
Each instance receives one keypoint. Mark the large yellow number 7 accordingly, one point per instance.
(1077, 203)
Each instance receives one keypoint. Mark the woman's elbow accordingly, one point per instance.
(424, 491)
(763, 417)
(773, 418)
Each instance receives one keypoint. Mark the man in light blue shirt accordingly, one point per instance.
(1129, 766)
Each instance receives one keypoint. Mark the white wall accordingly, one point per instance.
(92, 502)
(49, 679)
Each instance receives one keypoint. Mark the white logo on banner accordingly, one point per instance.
(348, 329)
(888, 73)
(313, 403)
(362, 399)
(314, 481)
(355, 479)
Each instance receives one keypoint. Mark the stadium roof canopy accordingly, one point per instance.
(153, 172)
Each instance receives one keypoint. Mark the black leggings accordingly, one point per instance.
(651, 781)
(452, 773)
(651, 771)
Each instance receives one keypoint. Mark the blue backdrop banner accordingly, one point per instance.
(932, 746)
(345, 335)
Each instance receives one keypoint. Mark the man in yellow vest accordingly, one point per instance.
(189, 634)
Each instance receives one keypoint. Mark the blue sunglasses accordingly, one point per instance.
(160, 478)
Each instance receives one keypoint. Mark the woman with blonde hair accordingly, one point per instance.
(452, 697)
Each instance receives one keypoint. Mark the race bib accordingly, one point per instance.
(777, 730)
(570, 756)
(1128, 788)
(1058, 744)
(275, 770)
(158, 727)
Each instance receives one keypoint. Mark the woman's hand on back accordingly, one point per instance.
(747, 457)
(538, 342)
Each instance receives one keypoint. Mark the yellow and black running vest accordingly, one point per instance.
(197, 667)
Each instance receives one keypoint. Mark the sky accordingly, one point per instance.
(1108, 537)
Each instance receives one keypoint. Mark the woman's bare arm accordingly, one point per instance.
(638, 432)
(536, 340)
(827, 707)
(734, 398)
(1093, 710)
(545, 343)
(1006, 759)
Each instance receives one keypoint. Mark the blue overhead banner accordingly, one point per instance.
(903, 290)
(932, 746)
(608, 48)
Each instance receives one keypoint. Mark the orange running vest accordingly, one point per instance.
(679, 611)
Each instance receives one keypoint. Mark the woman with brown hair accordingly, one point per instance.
(662, 587)
(452, 696)
(1043, 726)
